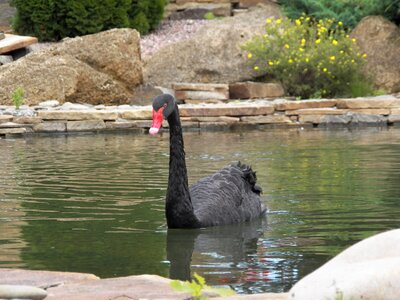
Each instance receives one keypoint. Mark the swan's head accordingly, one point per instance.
(163, 106)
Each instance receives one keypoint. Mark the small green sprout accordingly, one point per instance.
(18, 97)
(197, 286)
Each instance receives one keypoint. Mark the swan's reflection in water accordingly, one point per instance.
(224, 253)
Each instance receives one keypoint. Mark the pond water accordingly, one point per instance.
(95, 203)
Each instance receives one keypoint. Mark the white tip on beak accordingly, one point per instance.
(154, 130)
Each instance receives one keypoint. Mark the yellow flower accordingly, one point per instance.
(286, 46)
(271, 63)
(334, 42)
(290, 61)
(256, 68)
(341, 51)
(269, 21)
(307, 59)
(303, 41)
(301, 49)
(249, 55)
(317, 41)
(332, 57)
(364, 55)
(278, 21)
(353, 61)
(325, 69)
(340, 23)
(353, 40)
(298, 22)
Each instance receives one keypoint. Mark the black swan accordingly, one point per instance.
(226, 197)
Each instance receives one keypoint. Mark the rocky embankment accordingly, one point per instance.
(50, 117)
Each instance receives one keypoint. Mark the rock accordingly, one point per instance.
(97, 69)
(49, 103)
(193, 10)
(42, 279)
(271, 119)
(251, 90)
(226, 110)
(327, 120)
(212, 54)
(145, 94)
(27, 120)
(6, 131)
(78, 115)
(6, 59)
(367, 270)
(87, 125)
(5, 118)
(52, 126)
(132, 287)
(316, 111)
(21, 292)
(394, 119)
(380, 40)
(368, 119)
(195, 91)
(249, 3)
(73, 106)
(303, 104)
(370, 103)
(137, 114)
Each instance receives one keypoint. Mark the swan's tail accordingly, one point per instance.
(250, 176)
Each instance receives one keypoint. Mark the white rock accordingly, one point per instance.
(369, 269)
(73, 106)
(21, 292)
(49, 103)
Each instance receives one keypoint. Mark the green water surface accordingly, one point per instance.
(95, 203)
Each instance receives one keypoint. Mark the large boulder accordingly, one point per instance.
(213, 54)
(380, 40)
(366, 270)
(98, 68)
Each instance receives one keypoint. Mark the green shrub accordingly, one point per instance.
(17, 97)
(350, 12)
(311, 59)
(51, 20)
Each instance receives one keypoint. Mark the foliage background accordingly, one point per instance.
(53, 20)
(350, 12)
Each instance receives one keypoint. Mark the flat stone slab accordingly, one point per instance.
(78, 115)
(317, 111)
(201, 91)
(5, 131)
(42, 279)
(13, 42)
(252, 90)
(226, 110)
(303, 104)
(378, 102)
(131, 287)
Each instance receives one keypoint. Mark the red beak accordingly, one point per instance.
(157, 121)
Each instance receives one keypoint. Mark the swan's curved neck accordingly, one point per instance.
(179, 208)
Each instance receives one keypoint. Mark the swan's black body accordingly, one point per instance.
(226, 197)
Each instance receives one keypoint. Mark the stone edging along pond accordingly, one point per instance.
(50, 117)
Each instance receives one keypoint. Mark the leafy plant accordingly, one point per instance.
(349, 11)
(17, 97)
(51, 20)
(197, 286)
(312, 59)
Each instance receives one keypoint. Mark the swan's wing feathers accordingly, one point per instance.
(230, 195)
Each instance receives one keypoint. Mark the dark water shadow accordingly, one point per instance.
(230, 244)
